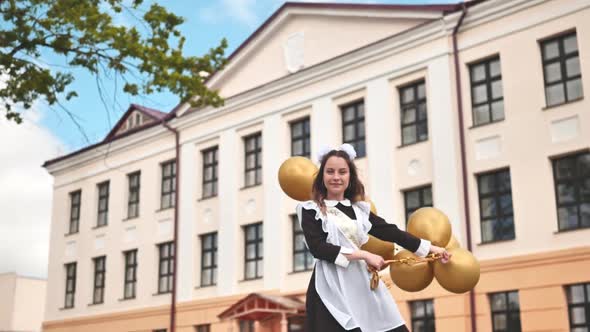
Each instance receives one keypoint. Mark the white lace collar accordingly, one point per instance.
(332, 203)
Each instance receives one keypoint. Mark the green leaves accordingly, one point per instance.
(83, 34)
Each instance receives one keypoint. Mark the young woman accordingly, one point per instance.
(336, 223)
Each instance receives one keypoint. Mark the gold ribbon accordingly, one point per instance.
(374, 282)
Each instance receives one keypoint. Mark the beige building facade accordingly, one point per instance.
(478, 110)
(22, 303)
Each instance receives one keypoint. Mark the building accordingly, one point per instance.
(22, 303)
(478, 109)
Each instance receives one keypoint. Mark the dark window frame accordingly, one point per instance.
(211, 269)
(213, 166)
(308, 260)
(100, 266)
(428, 320)
(488, 81)
(585, 304)
(358, 122)
(576, 181)
(203, 328)
(130, 257)
(561, 58)
(421, 194)
(257, 153)
(70, 290)
(103, 214)
(245, 325)
(75, 204)
(304, 137)
(168, 260)
(134, 192)
(168, 196)
(296, 323)
(509, 312)
(257, 241)
(414, 104)
(496, 195)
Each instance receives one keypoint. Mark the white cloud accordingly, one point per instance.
(240, 11)
(25, 194)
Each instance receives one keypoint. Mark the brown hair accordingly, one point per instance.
(355, 191)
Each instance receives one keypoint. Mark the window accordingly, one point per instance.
(505, 312)
(203, 328)
(168, 184)
(296, 324)
(166, 267)
(70, 285)
(210, 172)
(353, 126)
(75, 211)
(253, 266)
(130, 274)
(300, 138)
(572, 190)
(414, 126)
(133, 202)
(302, 258)
(134, 120)
(487, 96)
(495, 206)
(99, 280)
(578, 305)
(103, 204)
(417, 198)
(253, 160)
(561, 69)
(208, 259)
(422, 315)
(246, 326)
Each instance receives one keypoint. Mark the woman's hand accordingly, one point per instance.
(441, 251)
(374, 261)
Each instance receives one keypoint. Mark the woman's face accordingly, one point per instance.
(336, 176)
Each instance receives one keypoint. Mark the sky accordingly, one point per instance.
(26, 188)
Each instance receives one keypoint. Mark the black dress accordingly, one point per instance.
(318, 318)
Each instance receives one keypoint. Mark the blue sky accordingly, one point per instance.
(206, 23)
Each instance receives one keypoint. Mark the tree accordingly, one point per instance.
(83, 34)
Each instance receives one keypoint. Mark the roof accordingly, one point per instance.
(257, 306)
(326, 5)
(443, 8)
(157, 115)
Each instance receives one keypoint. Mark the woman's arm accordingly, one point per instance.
(315, 237)
(390, 232)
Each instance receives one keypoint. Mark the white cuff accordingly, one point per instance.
(341, 260)
(423, 249)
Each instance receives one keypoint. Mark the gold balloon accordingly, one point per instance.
(373, 207)
(453, 243)
(379, 247)
(296, 176)
(460, 274)
(430, 224)
(411, 278)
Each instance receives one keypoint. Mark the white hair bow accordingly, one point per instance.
(349, 149)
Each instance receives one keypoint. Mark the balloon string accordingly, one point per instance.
(374, 282)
